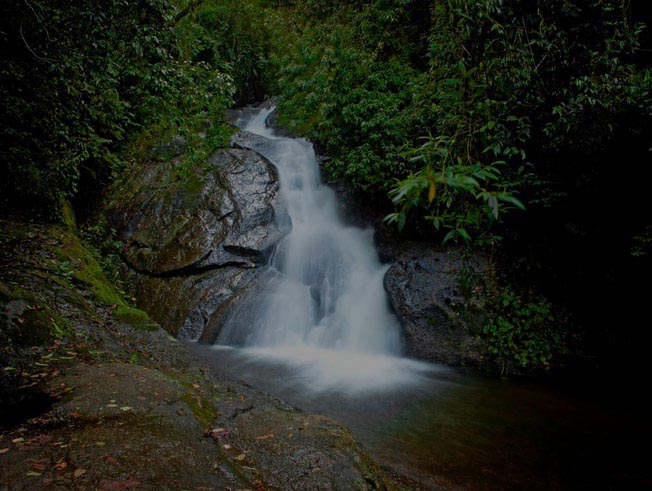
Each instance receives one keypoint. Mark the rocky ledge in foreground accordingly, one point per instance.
(95, 395)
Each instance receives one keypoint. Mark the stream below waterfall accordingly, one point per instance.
(456, 430)
(319, 334)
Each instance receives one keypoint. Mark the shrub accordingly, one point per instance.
(522, 335)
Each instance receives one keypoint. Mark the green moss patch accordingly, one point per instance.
(200, 407)
(53, 258)
(136, 318)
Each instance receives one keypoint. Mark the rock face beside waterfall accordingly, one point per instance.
(194, 236)
(438, 297)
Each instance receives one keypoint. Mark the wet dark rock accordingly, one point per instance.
(242, 307)
(438, 297)
(239, 115)
(227, 212)
(194, 238)
(248, 141)
(173, 148)
(299, 451)
(187, 304)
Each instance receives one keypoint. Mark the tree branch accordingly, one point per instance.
(30, 49)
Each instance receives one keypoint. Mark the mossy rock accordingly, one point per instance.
(136, 318)
(26, 321)
(50, 276)
(176, 217)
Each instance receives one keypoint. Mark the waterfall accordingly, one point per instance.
(322, 303)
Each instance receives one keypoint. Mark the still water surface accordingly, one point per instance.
(448, 429)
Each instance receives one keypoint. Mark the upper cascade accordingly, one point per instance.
(324, 287)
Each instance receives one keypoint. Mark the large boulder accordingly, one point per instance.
(194, 236)
(438, 297)
(174, 219)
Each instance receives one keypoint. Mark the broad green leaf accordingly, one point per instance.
(513, 200)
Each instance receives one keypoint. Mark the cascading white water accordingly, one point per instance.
(323, 307)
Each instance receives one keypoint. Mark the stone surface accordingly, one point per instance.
(438, 297)
(227, 212)
(187, 304)
(195, 238)
(316, 452)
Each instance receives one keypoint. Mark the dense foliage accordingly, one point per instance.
(348, 82)
(80, 81)
(494, 87)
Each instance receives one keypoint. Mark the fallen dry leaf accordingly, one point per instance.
(217, 433)
(79, 473)
(265, 437)
(111, 460)
(3, 450)
(258, 485)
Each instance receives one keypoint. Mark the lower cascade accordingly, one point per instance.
(322, 304)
